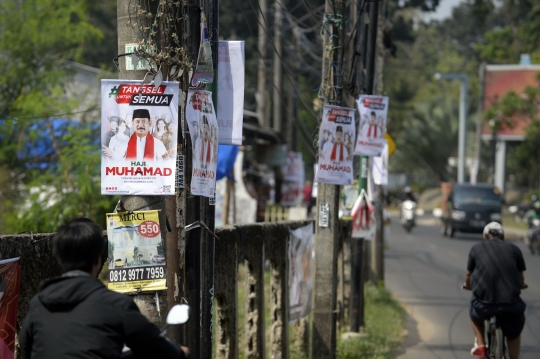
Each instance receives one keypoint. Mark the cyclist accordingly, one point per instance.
(495, 276)
(76, 316)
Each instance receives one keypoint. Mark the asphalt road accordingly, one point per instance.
(425, 270)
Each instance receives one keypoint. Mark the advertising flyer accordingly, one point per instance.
(139, 125)
(203, 128)
(373, 113)
(336, 139)
(293, 179)
(363, 217)
(230, 96)
(379, 167)
(136, 257)
(10, 279)
(301, 263)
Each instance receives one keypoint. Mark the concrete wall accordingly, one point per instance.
(251, 244)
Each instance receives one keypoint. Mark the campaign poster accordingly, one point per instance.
(336, 140)
(293, 180)
(203, 128)
(379, 167)
(301, 265)
(230, 95)
(373, 112)
(139, 125)
(364, 223)
(10, 279)
(136, 256)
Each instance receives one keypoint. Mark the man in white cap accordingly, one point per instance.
(495, 276)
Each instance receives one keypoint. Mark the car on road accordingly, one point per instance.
(158, 258)
(470, 207)
(119, 263)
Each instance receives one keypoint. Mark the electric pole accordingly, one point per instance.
(276, 98)
(323, 342)
(261, 67)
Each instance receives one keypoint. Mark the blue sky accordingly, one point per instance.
(444, 10)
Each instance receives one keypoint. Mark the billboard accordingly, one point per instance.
(500, 80)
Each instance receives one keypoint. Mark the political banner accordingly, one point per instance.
(336, 139)
(373, 113)
(10, 279)
(138, 137)
(379, 167)
(301, 264)
(293, 179)
(230, 94)
(363, 218)
(136, 257)
(203, 128)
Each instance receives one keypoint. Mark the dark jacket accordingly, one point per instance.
(76, 316)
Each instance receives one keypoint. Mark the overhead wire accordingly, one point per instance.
(305, 135)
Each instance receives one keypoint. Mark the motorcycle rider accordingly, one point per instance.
(76, 316)
(532, 214)
(409, 196)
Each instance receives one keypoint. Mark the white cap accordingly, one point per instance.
(493, 226)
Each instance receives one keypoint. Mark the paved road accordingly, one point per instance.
(425, 271)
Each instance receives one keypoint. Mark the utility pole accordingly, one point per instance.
(368, 39)
(146, 302)
(261, 67)
(276, 98)
(323, 341)
(292, 100)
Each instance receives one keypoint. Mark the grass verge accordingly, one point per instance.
(384, 328)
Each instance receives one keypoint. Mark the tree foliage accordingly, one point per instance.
(48, 173)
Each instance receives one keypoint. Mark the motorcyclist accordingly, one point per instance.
(409, 196)
(76, 316)
(532, 214)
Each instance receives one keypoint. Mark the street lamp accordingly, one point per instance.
(463, 96)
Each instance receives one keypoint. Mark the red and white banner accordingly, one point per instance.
(203, 127)
(139, 125)
(10, 279)
(373, 112)
(363, 217)
(336, 141)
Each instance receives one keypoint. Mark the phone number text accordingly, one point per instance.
(132, 274)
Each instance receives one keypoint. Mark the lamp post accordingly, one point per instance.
(463, 96)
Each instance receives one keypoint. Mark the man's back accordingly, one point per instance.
(75, 316)
(495, 266)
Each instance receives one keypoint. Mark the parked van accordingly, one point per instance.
(469, 208)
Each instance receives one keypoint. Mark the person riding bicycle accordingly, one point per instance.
(76, 316)
(495, 276)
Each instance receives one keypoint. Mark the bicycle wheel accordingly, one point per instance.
(499, 344)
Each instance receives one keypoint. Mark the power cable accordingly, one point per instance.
(304, 135)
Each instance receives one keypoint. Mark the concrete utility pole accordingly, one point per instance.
(323, 341)
(145, 302)
(189, 256)
(261, 71)
(278, 73)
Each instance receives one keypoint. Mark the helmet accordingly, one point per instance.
(536, 205)
(407, 189)
(493, 228)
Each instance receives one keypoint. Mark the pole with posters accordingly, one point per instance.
(323, 340)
